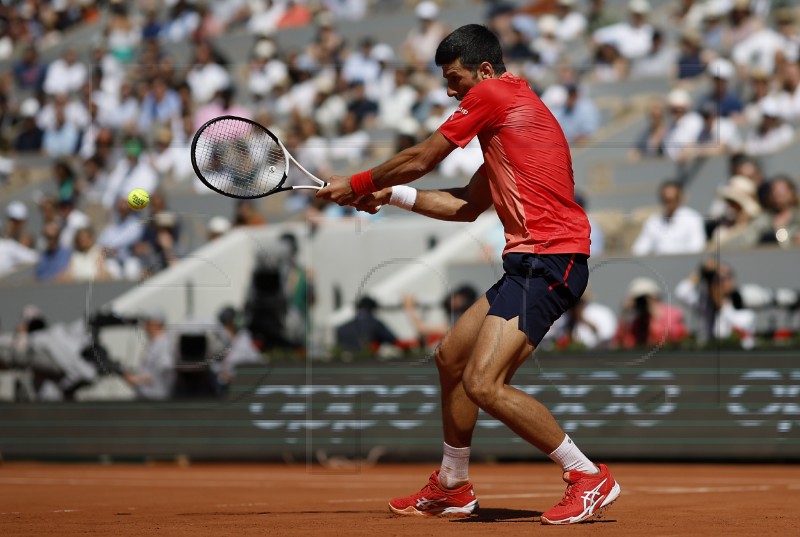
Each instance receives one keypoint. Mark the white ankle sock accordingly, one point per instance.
(571, 458)
(455, 467)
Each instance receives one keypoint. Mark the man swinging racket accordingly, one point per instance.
(527, 175)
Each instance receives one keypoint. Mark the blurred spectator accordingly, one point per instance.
(420, 44)
(760, 49)
(266, 70)
(297, 15)
(360, 66)
(789, 96)
(123, 113)
(117, 239)
(298, 284)
(61, 138)
(659, 62)
(71, 220)
(87, 263)
(352, 143)
(759, 91)
(14, 255)
(781, 222)
(29, 71)
(159, 247)
(742, 208)
(590, 324)
(677, 229)
(609, 65)
(633, 37)
(727, 103)
(772, 134)
(651, 140)
(207, 76)
(685, 126)
(711, 293)
(66, 181)
(182, 22)
(454, 305)
(129, 173)
(579, 117)
(54, 258)
(51, 353)
(160, 106)
(237, 343)
(122, 33)
(365, 333)
(29, 135)
(170, 159)
(222, 105)
(646, 320)
(94, 180)
(16, 224)
(66, 74)
(217, 227)
(154, 377)
(360, 105)
(247, 214)
(546, 46)
(718, 135)
(690, 63)
(571, 23)
(741, 25)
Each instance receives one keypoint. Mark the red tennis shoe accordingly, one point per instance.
(434, 500)
(587, 495)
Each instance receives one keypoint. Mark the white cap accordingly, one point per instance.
(29, 107)
(679, 97)
(154, 314)
(769, 107)
(643, 286)
(721, 68)
(639, 6)
(382, 53)
(219, 224)
(17, 210)
(427, 10)
(265, 49)
(555, 96)
(568, 3)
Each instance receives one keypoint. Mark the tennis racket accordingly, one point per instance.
(239, 158)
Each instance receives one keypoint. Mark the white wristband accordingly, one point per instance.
(403, 196)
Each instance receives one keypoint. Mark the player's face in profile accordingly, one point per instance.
(459, 79)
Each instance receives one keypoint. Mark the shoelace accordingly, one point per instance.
(569, 495)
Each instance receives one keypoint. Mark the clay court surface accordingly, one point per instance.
(195, 500)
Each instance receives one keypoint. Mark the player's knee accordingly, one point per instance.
(448, 366)
(481, 390)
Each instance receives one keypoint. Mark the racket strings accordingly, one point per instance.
(239, 158)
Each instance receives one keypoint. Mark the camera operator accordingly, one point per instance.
(646, 320)
(711, 292)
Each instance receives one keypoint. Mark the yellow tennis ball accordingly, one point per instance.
(138, 199)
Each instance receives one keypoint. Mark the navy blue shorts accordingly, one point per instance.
(538, 289)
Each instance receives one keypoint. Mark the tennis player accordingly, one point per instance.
(527, 175)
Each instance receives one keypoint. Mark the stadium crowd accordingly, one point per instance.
(118, 112)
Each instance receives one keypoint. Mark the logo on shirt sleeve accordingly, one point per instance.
(463, 111)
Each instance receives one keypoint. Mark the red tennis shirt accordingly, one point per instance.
(528, 165)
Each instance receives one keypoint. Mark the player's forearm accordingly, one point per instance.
(405, 167)
(450, 205)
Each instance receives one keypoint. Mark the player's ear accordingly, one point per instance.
(485, 70)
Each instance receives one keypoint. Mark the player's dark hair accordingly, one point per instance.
(473, 44)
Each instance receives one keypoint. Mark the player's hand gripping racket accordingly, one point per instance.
(239, 158)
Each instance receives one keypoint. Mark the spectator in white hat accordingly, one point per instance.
(742, 207)
(421, 42)
(571, 23)
(217, 227)
(772, 134)
(762, 48)
(646, 319)
(16, 224)
(633, 37)
(685, 126)
(718, 135)
(727, 102)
